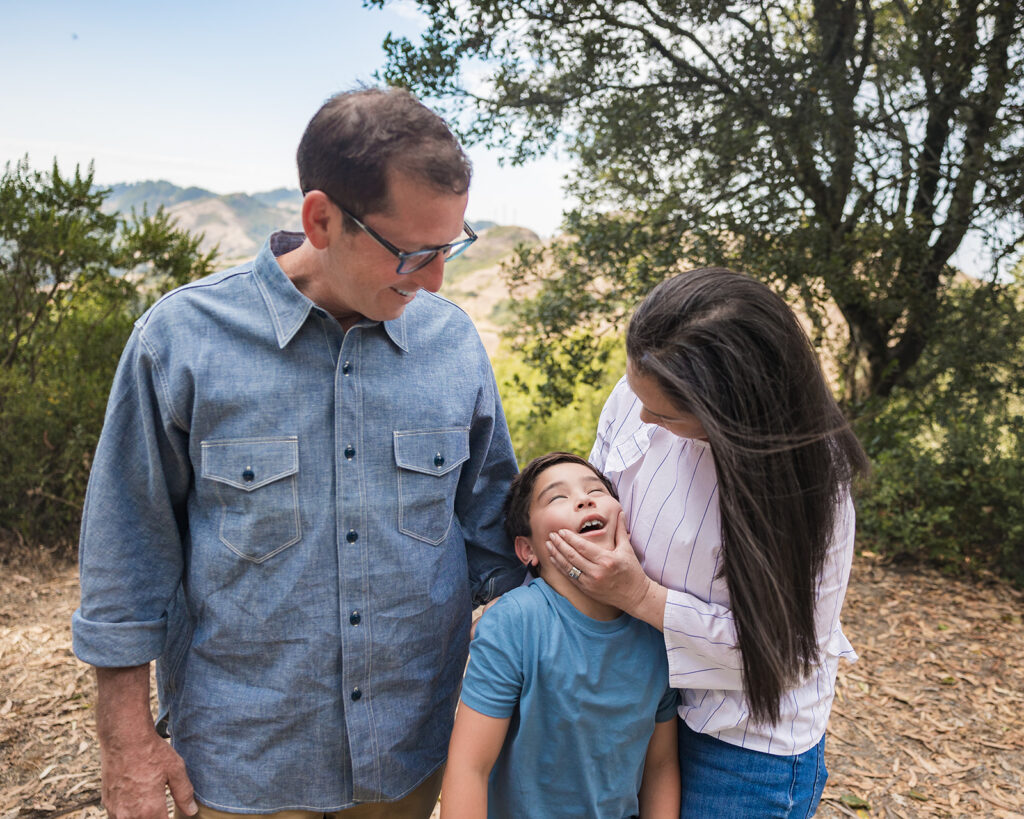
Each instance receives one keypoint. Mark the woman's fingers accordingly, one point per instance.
(621, 535)
(563, 554)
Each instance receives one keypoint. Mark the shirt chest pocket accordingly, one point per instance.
(256, 483)
(429, 464)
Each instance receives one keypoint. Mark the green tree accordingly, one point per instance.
(72, 280)
(568, 428)
(841, 148)
(948, 476)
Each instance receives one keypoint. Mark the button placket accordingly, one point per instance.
(350, 486)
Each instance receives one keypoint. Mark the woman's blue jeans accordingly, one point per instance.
(723, 781)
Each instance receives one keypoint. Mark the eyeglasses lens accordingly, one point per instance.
(411, 262)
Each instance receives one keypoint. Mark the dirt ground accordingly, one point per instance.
(929, 722)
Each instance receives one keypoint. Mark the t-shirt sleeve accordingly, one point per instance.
(494, 676)
(668, 706)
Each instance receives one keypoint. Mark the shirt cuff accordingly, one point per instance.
(501, 581)
(117, 645)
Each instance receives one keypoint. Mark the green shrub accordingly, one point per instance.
(49, 428)
(72, 280)
(947, 483)
(570, 427)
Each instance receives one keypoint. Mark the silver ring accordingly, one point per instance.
(574, 573)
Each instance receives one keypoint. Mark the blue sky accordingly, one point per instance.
(214, 94)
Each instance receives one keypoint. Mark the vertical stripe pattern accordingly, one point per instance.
(669, 490)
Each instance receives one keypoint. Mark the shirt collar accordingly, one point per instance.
(289, 308)
(398, 330)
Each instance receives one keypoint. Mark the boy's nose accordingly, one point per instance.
(584, 502)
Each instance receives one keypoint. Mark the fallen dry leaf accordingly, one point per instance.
(897, 732)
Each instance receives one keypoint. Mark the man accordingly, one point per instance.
(297, 498)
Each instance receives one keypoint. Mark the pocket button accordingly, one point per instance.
(439, 460)
(248, 475)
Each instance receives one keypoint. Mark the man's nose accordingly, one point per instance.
(431, 275)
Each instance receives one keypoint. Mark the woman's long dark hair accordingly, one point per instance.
(727, 349)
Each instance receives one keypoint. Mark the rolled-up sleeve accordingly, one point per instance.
(131, 556)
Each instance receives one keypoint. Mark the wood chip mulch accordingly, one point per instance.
(929, 722)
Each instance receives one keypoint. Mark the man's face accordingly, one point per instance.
(568, 496)
(361, 278)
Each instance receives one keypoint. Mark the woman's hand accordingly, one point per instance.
(614, 577)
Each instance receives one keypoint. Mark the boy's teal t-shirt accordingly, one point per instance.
(583, 696)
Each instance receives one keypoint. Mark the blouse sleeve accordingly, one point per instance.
(701, 640)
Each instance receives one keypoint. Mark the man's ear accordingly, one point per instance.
(317, 214)
(524, 551)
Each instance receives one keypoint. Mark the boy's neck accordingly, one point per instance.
(580, 601)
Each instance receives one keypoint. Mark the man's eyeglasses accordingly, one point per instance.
(417, 259)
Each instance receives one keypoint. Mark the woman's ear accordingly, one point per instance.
(317, 213)
(524, 551)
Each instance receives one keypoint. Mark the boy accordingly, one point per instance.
(565, 698)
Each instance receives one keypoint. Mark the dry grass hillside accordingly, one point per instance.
(474, 282)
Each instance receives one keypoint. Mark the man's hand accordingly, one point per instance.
(137, 764)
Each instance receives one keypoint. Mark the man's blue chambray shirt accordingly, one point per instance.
(295, 521)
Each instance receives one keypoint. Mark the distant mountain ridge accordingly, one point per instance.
(238, 224)
(235, 223)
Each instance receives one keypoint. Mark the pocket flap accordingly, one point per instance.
(249, 463)
(432, 451)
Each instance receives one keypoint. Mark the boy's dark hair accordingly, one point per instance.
(520, 492)
(356, 136)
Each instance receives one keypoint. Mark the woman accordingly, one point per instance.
(734, 467)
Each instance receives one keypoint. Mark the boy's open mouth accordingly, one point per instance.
(592, 525)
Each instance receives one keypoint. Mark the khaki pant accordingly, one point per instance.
(417, 805)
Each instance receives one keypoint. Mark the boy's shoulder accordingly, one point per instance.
(524, 599)
(522, 605)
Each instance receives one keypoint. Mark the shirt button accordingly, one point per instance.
(352, 536)
(439, 460)
(350, 452)
(346, 368)
(356, 694)
(248, 475)
(355, 618)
